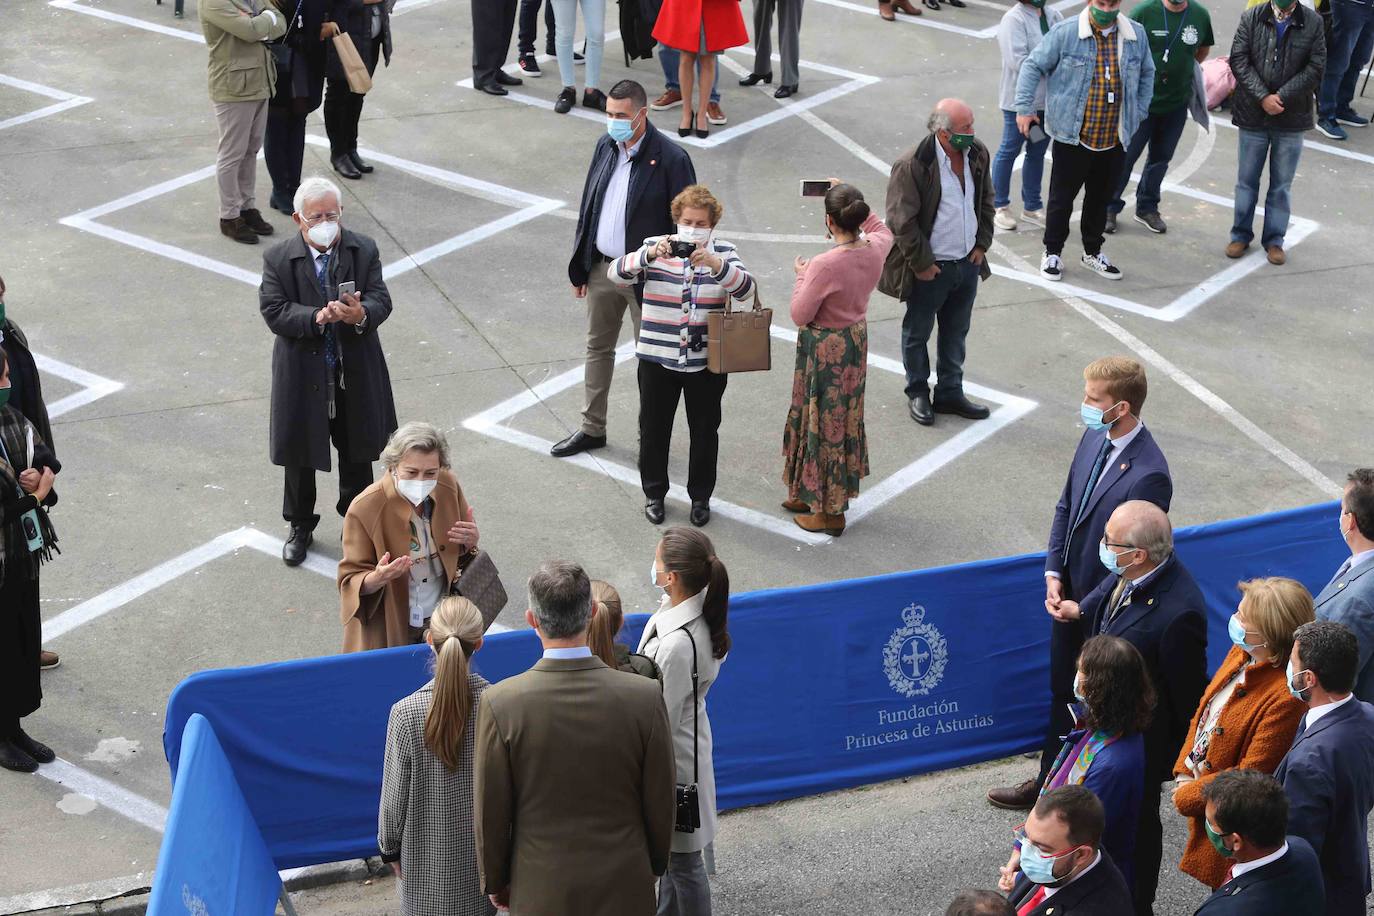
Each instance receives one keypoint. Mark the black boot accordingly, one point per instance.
(39, 752)
(293, 551)
(12, 758)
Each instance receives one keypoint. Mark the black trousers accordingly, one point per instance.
(1149, 844)
(1075, 169)
(493, 21)
(529, 26)
(660, 388)
(283, 143)
(298, 496)
(343, 108)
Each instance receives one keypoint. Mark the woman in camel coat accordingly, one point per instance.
(404, 540)
(1247, 718)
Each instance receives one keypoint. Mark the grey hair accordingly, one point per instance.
(939, 120)
(424, 437)
(315, 187)
(1149, 529)
(561, 599)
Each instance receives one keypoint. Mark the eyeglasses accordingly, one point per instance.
(332, 216)
(1127, 546)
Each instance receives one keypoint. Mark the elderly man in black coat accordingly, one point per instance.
(329, 377)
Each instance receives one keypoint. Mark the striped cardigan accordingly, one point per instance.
(672, 329)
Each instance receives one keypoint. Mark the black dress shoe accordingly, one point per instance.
(701, 512)
(491, 87)
(785, 91)
(38, 751)
(253, 220)
(653, 511)
(345, 167)
(505, 79)
(282, 203)
(293, 551)
(12, 758)
(359, 164)
(754, 79)
(577, 442)
(919, 408)
(962, 407)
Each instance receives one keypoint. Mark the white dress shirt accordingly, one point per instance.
(955, 229)
(1316, 712)
(1241, 868)
(1051, 891)
(1118, 446)
(610, 228)
(574, 652)
(1363, 556)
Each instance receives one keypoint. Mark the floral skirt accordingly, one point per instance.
(824, 448)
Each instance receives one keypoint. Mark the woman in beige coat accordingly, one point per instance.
(405, 539)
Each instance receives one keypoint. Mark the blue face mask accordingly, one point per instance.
(1092, 416)
(1039, 867)
(1109, 558)
(621, 130)
(1237, 634)
(1297, 694)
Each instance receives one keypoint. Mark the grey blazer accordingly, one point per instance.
(1349, 599)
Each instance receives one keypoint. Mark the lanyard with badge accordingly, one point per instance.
(33, 531)
(1182, 20)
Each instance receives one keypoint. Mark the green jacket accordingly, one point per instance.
(240, 67)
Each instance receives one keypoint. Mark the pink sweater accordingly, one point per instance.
(833, 291)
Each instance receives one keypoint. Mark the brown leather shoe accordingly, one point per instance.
(238, 230)
(48, 660)
(904, 6)
(253, 220)
(796, 505)
(817, 522)
(1276, 255)
(671, 98)
(1015, 798)
(1236, 249)
(885, 10)
(715, 115)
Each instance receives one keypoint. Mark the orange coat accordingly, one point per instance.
(378, 522)
(1255, 730)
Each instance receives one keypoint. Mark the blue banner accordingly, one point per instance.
(827, 686)
(213, 858)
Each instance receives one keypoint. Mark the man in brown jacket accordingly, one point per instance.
(574, 772)
(939, 208)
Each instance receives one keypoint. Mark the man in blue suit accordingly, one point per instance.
(1349, 597)
(1150, 600)
(1117, 460)
(1328, 773)
(1272, 875)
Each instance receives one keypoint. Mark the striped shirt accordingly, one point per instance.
(1103, 109)
(677, 299)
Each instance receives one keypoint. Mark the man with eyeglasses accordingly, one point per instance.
(329, 376)
(1063, 869)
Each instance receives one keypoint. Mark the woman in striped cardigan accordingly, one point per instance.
(1247, 718)
(679, 292)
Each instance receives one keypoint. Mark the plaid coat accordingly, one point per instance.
(425, 817)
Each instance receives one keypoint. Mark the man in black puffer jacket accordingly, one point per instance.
(1278, 56)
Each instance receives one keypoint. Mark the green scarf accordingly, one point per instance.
(15, 556)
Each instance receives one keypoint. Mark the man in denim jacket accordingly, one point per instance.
(1100, 81)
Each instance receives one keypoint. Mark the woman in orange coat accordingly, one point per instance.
(1247, 717)
(699, 29)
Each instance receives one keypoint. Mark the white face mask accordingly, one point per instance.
(693, 233)
(323, 233)
(417, 491)
(653, 577)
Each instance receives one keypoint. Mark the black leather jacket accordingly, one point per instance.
(1263, 65)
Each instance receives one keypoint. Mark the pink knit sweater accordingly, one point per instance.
(834, 289)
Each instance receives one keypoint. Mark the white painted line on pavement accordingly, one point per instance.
(1318, 146)
(118, 799)
(65, 100)
(94, 387)
(75, 7)
(926, 21)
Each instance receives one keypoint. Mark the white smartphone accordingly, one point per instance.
(347, 288)
(814, 187)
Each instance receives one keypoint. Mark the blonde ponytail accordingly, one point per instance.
(455, 629)
(606, 624)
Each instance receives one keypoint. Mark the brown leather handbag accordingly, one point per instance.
(739, 341)
(480, 583)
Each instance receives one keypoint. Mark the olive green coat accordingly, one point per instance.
(240, 66)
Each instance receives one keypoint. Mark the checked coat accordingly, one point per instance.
(426, 813)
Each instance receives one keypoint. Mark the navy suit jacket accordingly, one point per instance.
(1100, 892)
(1290, 885)
(1349, 599)
(1166, 619)
(1328, 776)
(658, 172)
(1139, 472)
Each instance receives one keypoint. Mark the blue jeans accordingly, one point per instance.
(668, 58)
(565, 24)
(949, 297)
(1032, 169)
(1282, 148)
(1161, 132)
(1348, 50)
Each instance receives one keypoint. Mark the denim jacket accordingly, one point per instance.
(1065, 59)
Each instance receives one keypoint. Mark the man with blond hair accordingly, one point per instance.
(1117, 461)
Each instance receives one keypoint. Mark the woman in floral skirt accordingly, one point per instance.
(824, 448)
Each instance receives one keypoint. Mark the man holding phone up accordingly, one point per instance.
(323, 295)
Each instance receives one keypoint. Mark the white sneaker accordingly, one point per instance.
(1034, 216)
(1051, 267)
(1003, 219)
(1099, 265)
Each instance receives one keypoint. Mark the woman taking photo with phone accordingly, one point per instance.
(686, 276)
(688, 640)
(824, 447)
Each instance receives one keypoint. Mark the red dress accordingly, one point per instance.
(701, 26)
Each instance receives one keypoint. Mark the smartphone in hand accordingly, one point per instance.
(347, 288)
(814, 187)
(1036, 133)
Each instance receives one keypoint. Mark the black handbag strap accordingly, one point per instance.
(695, 772)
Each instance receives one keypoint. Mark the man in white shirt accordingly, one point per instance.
(1349, 597)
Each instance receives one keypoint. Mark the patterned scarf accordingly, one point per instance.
(15, 556)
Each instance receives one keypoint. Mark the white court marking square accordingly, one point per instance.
(493, 422)
(927, 20)
(402, 7)
(62, 101)
(529, 207)
(93, 387)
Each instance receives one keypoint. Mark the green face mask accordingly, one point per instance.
(1216, 840)
(4, 396)
(2, 311)
(1284, 5)
(1038, 4)
(1103, 18)
(960, 142)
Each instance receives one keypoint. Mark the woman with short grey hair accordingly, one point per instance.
(405, 540)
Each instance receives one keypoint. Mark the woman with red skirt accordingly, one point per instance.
(699, 28)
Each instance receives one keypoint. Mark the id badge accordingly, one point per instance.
(1111, 97)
